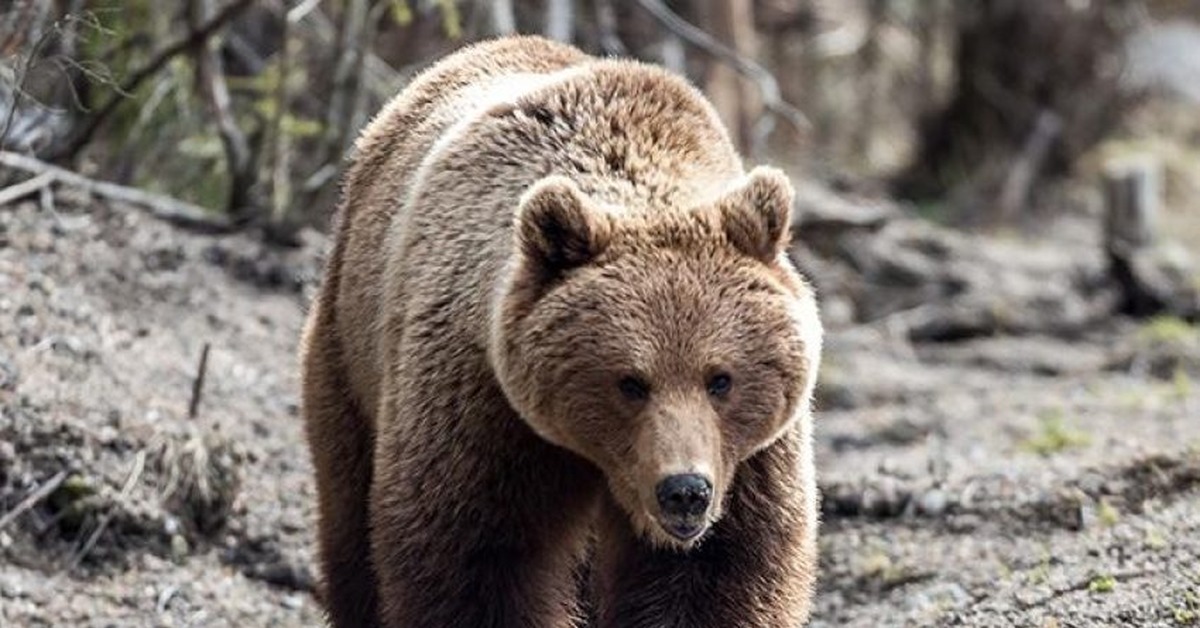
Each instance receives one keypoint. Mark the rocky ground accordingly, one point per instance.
(994, 450)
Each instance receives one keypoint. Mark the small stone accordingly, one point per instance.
(107, 435)
(884, 499)
(291, 601)
(8, 375)
(933, 503)
(179, 548)
(11, 587)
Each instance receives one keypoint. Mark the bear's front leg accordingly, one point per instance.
(477, 522)
(755, 568)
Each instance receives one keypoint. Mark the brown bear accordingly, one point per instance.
(560, 367)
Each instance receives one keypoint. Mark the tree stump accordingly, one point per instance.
(1132, 198)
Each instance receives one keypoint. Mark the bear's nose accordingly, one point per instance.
(684, 495)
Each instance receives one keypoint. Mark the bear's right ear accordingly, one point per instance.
(557, 227)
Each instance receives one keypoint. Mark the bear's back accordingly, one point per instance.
(387, 155)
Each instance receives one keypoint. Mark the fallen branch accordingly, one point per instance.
(139, 464)
(152, 67)
(20, 190)
(174, 211)
(767, 85)
(34, 498)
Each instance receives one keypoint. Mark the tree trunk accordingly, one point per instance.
(1014, 61)
(735, 98)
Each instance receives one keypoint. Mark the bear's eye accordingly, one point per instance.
(634, 388)
(719, 385)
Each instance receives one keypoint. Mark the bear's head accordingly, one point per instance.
(664, 347)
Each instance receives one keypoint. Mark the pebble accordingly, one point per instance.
(11, 587)
(8, 375)
(179, 548)
(933, 503)
(291, 601)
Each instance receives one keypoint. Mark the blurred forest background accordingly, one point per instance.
(998, 201)
(971, 110)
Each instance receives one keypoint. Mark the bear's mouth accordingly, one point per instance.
(684, 531)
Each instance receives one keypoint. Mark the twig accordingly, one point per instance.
(139, 464)
(156, 63)
(18, 191)
(177, 212)
(34, 498)
(767, 85)
(198, 384)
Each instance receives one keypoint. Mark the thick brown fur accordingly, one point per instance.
(525, 230)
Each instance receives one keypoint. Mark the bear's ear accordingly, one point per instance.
(558, 228)
(756, 215)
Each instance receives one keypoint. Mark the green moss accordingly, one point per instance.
(1102, 584)
(1187, 612)
(1166, 330)
(1181, 384)
(1054, 435)
(1155, 540)
(1107, 514)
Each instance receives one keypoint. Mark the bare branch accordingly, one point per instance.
(135, 474)
(211, 75)
(19, 83)
(767, 85)
(152, 67)
(20, 190)
(300, 11)
(1028, 164)
(177, 212)
(33, 499)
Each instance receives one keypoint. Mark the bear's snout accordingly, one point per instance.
(683, 502)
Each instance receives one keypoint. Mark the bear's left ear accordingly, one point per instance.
(756, 215)
(558, 228)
